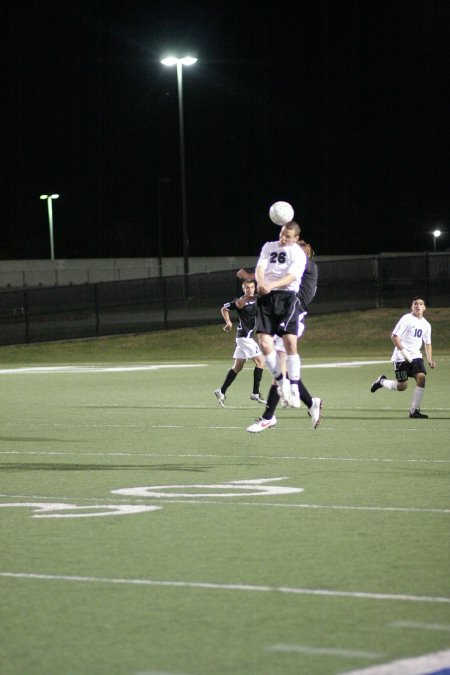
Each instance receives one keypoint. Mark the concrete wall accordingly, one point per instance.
(31, 273)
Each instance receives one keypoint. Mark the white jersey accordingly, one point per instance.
(412, 331)
(278, 261)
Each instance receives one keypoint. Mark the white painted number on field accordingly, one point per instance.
(52, 509)
(233, 488)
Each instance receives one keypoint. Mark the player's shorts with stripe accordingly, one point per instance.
(246, 348)
(278, 313)
(404, 369)
(278, 341)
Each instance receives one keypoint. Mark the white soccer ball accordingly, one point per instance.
(281, 213)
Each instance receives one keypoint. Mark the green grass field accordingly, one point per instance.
(145, 532)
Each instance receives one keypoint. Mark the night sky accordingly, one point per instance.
(339, 107)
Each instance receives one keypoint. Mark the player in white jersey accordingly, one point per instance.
(306, 293)
(278, 272)
(409, 334)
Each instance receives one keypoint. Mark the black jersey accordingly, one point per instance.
(308, 284)
(247, 316)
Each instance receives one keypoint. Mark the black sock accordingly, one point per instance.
(272, 402)
(257, 375)
(231, 376)
(305, 396)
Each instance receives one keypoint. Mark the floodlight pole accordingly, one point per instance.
(49, 199)
(179, 63)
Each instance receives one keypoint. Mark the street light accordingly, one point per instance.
(49, 199)
(436, 234)
(179, 63)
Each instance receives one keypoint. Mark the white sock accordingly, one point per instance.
(417, 398)
(273, 364)
(293, 366)
(389, 384)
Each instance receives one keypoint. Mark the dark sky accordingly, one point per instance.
(339, 107)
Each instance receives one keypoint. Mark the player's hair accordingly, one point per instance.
(307, 248)
(419, 297)
(249, 281)
(292, 225)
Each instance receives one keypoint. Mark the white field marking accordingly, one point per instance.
(47, 510)
(420, 665)
(232, 488)
(28, 423)
(420, 626)
(325, 651)
(95, 369)
(36, 370)
(325, 507)
(277, 458)
(343, 364)
(246, 588)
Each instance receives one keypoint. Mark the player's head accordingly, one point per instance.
(418, 305)
(308, 249)
(290, 233)
(249, 287)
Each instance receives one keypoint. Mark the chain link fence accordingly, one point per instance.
(138, 305)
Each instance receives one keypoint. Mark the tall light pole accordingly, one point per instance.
(49, 199)
(179, 63)
(436, 234)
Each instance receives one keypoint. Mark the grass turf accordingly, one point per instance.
(348, 571)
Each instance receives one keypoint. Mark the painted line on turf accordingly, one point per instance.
(427, 664)
(247, 588)
(196, 502)
(277, 458)
(324, 651)
(420, 626)
(36, 370)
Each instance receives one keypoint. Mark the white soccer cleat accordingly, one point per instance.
(258, 397)
(315, 412)
(220, 397)
(284, 392)
(295, 397)
(262, 425)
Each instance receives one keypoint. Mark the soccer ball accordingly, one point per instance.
(281, 213)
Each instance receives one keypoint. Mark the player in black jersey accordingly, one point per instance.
(246, 347)
(306, 294)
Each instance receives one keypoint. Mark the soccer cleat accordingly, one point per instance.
(262, 425)
(284, 392)
(377, 384)
(220, 397)
(417, 415)
(295, 397)
(258, 397)
(315, 412)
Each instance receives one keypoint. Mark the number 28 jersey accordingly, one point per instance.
(278, 261)
(412, 331)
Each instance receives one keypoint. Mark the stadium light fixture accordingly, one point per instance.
(49, 199)
(436, 234)
(179, 63)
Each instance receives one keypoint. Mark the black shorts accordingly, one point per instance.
(404, 369)
(277, 313)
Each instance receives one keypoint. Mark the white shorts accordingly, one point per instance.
(278, 341)
(246, 348)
